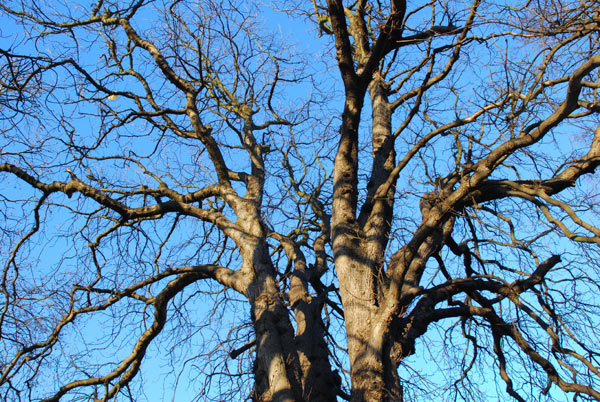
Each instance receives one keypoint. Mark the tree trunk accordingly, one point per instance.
(276, 369)
(359, 247)
(288, 367)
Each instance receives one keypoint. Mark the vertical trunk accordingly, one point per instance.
(319, 382)
(377, 212)
(359, 242)
(277, 371)
(359, 247)
(358, 297)
(276, 368)
(374, 372)
(288, 367)
(370, 345)
(355, 273)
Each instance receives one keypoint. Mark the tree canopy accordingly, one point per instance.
(306, 201)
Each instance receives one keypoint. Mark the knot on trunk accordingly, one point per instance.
(427, 202)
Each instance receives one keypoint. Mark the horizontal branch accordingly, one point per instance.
(490, 190)
(177, 203)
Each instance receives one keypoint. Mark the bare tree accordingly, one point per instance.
(172, 202)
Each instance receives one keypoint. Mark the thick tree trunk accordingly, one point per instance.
(288, 367)
(373, 373)
(359, 247)
(319, 383)
(276, 370)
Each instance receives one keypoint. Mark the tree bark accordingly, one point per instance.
(277, 369)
